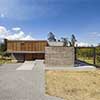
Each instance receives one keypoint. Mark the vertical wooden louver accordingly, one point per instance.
(13, 46)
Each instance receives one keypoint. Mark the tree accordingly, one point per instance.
(73, 40)
(99, 45)
(65, 41)
(2, 49)
(51, 37)
(70, 43)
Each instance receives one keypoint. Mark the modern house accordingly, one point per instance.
(54, 53)
(23, 50)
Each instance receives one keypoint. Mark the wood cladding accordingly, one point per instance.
(26, 45)
(34, 56)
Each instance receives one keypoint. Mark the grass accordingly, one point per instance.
(73, 85)
(88, 60)
(5, 60)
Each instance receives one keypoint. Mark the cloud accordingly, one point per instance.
(2, 15)
(85, 44)
(29, 9)
(19, 36)
(16, 29)
(3, 30)
(94, 34)
(16, 34)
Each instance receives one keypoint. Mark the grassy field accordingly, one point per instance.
(86, 54)
(73, 85)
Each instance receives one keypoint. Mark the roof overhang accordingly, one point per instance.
(25, 51)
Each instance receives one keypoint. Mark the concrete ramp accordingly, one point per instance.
(27, 65)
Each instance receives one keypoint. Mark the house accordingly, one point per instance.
(54, 55)
(22, 50)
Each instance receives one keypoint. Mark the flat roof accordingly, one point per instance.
(27, 40)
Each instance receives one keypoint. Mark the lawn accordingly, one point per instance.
(73, 85)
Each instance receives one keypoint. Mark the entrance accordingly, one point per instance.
(30, 56)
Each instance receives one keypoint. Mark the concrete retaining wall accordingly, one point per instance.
(59, 56)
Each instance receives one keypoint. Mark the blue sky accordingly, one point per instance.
(63, 17)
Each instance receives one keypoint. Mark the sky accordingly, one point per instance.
(33, 19)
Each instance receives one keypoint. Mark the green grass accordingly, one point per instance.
(88, 60)
(5, 61)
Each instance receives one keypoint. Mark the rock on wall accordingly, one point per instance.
(59, 56)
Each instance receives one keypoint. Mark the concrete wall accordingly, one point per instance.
(59, 56)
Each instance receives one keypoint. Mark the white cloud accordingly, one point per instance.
(94, 34)
(16, 29)
(28, 9)
(85, 44)
(2, 15)
(3, 30)
(17, 34)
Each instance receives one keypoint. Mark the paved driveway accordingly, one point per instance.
(23, 84)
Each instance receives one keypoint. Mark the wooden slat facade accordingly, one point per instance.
(26, 50)
(13, 46)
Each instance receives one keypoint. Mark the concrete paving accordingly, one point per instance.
(23, 84)
(27, 65)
